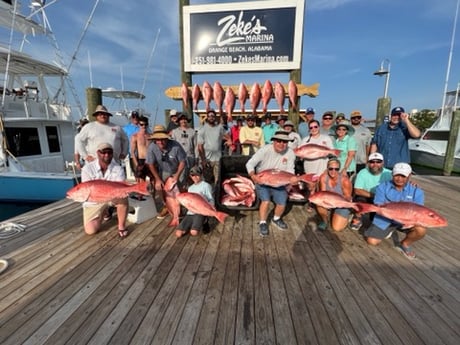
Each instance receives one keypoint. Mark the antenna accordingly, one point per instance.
(149, 61)
(449, 61)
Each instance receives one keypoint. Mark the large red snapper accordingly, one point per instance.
(329, 200)
(170, 191)
(280, 95)
(218, 95)
(406, 213)
(196, 94)
(293, 94)
(102, 191)
(277, 178)
(267, 94)
(197, 204)
(229, 102)
(314, 151)
(206, 92)
(185, 94)
(254, 97)
(242, 95)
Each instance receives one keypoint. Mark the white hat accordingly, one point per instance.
(375, 155)
(402, 169)
(104, 146)
(173, 112)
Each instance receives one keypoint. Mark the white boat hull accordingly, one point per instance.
(431, 160)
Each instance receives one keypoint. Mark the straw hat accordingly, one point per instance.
(159, 132)
(100, 109)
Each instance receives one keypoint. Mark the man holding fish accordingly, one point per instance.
(275, 156)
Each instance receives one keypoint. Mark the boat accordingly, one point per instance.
(430, 149)
(120, 104)
(36, 125)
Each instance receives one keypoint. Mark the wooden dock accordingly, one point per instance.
(229, 286)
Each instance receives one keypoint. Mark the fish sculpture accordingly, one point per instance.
(254, 97)
(242, 95)
(407, 213)
(315, 151)
(185, 94)
(330, 200)
(102, 191)
(218, 95)
(229, 102)
(293, 93)
(280, 94)
(206, 91)
(196, 92)
(197, 204)
(267, 94)
(277, 178)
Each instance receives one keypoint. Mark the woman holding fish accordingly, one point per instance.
(333, 181)
(346, 143)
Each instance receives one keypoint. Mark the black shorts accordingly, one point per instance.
(192, 222)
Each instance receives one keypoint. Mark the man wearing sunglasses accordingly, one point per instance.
(363, 138)
(366, 182)
(101, 131)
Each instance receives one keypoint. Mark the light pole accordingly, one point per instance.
(383, 104)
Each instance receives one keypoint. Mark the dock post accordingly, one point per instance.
(93, 99)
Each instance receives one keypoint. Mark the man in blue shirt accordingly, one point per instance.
(391, 139)
(396, 190)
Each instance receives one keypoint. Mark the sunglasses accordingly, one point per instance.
(377, 161)
(280, 141)
(327, 118)
(142, 124)
(356, 118)
(341, 129)
(335, 169)
(313, 127)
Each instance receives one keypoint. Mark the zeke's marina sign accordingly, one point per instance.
(243, 36)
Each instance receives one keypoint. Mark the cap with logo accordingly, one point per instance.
(397, 111)
(375, 155)
(402, 169)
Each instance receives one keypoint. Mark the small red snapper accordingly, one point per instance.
(314, 151)
(329, 200)
(197, 204)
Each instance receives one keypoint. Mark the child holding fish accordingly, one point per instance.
(194, 222)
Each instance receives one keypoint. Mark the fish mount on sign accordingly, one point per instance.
(177, 92)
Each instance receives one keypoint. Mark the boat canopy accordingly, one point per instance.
(23, 64)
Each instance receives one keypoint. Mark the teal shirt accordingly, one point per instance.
(369, 182)
(269, 131)
(348, 143)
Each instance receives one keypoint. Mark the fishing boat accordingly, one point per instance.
(120, 106)
(36, 125)
(430, 149)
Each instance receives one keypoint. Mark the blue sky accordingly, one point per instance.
(344, 43)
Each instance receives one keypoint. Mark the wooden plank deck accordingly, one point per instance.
(229, 286)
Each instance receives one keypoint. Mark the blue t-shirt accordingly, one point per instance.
(386, 192)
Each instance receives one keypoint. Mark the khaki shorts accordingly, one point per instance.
(93, 211)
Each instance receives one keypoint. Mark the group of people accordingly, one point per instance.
(183, 154)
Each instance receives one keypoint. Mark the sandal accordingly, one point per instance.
(123, 233)
(356, 224)
(407, 251)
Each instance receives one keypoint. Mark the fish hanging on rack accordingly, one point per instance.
(207, 95)
(218, 95)
(242, 95)
(254, 97)
(293, 93)
(196, 96)
(267, 94)
(185, 94)
(280, 94)
(229, 102)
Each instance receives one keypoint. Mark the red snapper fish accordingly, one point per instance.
(277, 178)
(207, 95)
(229, 102)
(314, 151)
(242, 95)
(280, 94)
(267, 94)
(292, 92)
(254, 97)
(218, 95)
(170, 191)
(197, 204)
(329, 200)
(185, 94)
(196, 96)
(407, 213)
(102, 191)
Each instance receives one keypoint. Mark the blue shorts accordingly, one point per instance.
(375, 232)
(266, 193)
(344, 212)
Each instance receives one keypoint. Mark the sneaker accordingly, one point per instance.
(263, 229)
(356, 224)
(163, 213)
(280, 224)
(407, 251)
(322, 226)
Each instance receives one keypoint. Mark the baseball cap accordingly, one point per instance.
(104, 146)
(173, 112)
(355, 113)
(135, 114)
(196, 170)
(375, 155)
(397, 111)
(402, 169)
(310, 110)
